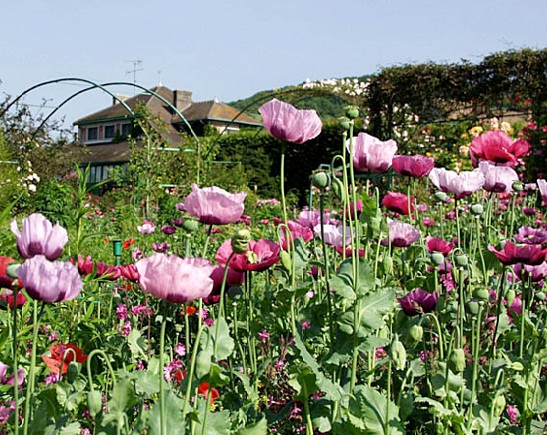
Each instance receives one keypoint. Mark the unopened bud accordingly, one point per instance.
(352, 112)
(94, 402)
(440, 196)
(416, 333)
(240, 241)
(345, 123)
(461, 260)
(73, 372)
(518, 186)
(510, 297)
(482, 294)
(320, 179)
(397, 353)
(456, 360)
(437, 258)
(190, 225)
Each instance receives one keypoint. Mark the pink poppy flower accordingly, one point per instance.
(232, 278)
(39, 237)
(436, 244)
(461, 185)
(50, 281)
(533, 273)
(542, 184)
(7, 298)
(10, 380)
(372, 154)
(311, 218)
(418, 301)
(147, 227)
(402, 234)
(531, 236)
(498, 147)
(174, 279)
(284, 121)
(296, 231)
(511, 253)
(334, 235)
(260, 255)
(498, 178)
(413, 166)
(213, 205)
(398, 203)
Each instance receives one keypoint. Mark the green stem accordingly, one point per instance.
(163, 420)
(191, 370)
(476, 347)
(15, 360)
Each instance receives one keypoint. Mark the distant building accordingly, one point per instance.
(104, 133)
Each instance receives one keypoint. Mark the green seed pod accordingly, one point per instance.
(190, 225)
(73, 372)
(461, 260)
(456, 361)
(441, 196)
(510, 297)
(416, 333)
(397, 353)
(352, 112)
(240, 241)
(473, 307)
(94, 402)
(345, 123)
(321, 179)
(540, 296)
(518, 186)
(482, 294)
(285, 260)
(498, 405)
(437, 258)
(477, 209)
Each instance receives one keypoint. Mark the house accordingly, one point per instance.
(104, 133)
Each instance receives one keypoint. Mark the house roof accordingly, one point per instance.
(197, 111)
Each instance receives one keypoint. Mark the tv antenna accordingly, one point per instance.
(136, 63)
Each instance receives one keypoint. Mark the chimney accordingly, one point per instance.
(121, 97)
(182, 99)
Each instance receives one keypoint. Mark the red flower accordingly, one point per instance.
(413, 166)
(203, 389)
(511, 253)
(127, 243)
(7, 298)
(498, 147)
(62, 355)
(398, 203)
(5, 280)
(435, 244)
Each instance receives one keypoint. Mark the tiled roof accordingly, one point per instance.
(215, 111)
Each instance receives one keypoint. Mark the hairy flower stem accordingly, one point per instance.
(31, 374)
(15, 360)
(475, 340)
(327, 268)
(191, 370)
(163, 421)
(282, 185)
(498, 312)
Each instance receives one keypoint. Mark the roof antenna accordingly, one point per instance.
(136, 63)
(159, 78)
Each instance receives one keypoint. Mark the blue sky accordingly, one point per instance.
(231, 49)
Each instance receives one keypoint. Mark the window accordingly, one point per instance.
(109, 131)
(92, 134)
(126, 130)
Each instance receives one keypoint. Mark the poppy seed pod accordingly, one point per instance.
(352, 112)
(321, 179)
(345, 123)
(240, 241)
(456, 361)
(482, 294)
(397, 353)
(440, 196)
(416, 333)
(94, 402)
(437, 258)
(477, 209)
(510, 297)
(190, 225)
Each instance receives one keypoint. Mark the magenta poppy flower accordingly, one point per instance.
(296, 231)
(461, 185)
(10, 301)
(531, 236)
(436, 244)
(175, 279)
(50, 281)
(286, 122)
(398, 203)
(511, 253)
(498, 147)
(233, 278)
(260, 255)
(168, 229)
(498, 178)
(413, 166)
(160, 247)
(39, 237)
(542, 185)
(402, 234)
(213, 205)
(417, 302)
(102, 270)
(372, 154)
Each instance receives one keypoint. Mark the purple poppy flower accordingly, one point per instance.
(417, 302)
(402, 234)
(461, 185)
(284, 121)
(50, 281)
(39, 237)
(531, 236)
(168, 229)
(213, 205)
(233, 278)
(174, 279)
(413, 166)
(311, 218)
(436, 244)
(511, 253)
(147, 227)
(398, 203)
(372, 154)
(5, 380)
(498, 178)
(296, 230)
(533, 273)
(160, 247)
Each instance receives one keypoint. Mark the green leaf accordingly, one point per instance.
(146, 382)
(135, 341)
(260, 428)
(217, 423)
(203, 362)
(302, 380)
(174, 420)
(123, 397)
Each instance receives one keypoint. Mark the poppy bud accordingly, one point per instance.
(510, 297)
(461, 260)
(345, 123)
(416, 333)
(11, 270)
(337, 187)
(73, 372)
(375, 224)
(387, 264)
(352, 112)
(498, 405)
(518, 186)
(285, 260)
(473, 307)
(481, 294)
(240, 241)
(94, 402)
(397, 352)
(477, 209)
(190, 225)
(437, 258)
(456, 360)
(320, 179)
(440, 196)
(540, 296)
